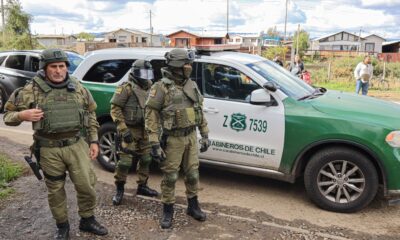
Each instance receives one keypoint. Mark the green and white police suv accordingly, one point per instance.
(264, 121)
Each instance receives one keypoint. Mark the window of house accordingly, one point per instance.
(121, 38)
(345, 47)
(218, 41)
(144, 40)
(231, 40)
(336, 47)
(16, 62)
(108, 71)
(369, 47)
(220, 81)
(237, 39)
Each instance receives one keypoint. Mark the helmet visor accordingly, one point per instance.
(144, 73)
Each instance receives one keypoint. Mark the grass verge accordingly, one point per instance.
(9, 171)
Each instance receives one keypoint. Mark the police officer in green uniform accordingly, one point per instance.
(176, 104)
(59, 108)
(127, 111)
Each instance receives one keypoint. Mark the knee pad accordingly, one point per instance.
(145, 160)
(192, 176)
(170, 179)
(124, 163)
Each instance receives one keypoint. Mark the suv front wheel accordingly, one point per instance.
(108, 155)
(341, 180)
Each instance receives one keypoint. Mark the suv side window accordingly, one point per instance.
(16, 62)
(108, 71)
(34, 64)
(220, 81)
(157, 64)
(2, 58)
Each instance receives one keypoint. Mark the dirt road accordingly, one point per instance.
(238, 206)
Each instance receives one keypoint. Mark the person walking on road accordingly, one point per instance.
(59, 108)
(363, 74)
(175, 106)
(127, 111)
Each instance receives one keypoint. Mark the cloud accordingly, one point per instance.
(253, 16)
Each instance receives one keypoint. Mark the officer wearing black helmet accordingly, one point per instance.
(175, 106)
(59, 107)
(127, 111)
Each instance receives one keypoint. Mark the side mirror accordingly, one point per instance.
(270, 86)
(260, 97)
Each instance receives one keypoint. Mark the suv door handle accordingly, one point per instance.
(210, 110)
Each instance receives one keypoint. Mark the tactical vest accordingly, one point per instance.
(183, 106)
(134, 108)
(62, 110)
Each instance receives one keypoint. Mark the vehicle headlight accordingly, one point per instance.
(393, 139)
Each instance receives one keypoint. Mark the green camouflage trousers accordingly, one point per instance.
(75, 159)
(141, 146)
(181, 152)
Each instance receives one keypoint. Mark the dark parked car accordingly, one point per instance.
(18, 67)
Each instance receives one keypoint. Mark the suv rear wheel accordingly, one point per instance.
(341, 180)
(108, 155)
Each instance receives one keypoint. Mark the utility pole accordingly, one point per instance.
(227, 17)
(284, 37)
(359, 41)
(151, 31)
(2, 21)
(297, 41)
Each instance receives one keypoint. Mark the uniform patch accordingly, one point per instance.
(153, 92)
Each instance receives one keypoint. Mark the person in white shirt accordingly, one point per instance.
(363, 73)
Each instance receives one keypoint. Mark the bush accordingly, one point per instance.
(8, 171)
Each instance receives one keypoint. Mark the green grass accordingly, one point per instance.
(9, 171)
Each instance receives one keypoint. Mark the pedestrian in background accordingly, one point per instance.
(363, 74)
(297, 67)
(277, 60)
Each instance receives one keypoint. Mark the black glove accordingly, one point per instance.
(157, 153)
(204, 143)
(127, 136)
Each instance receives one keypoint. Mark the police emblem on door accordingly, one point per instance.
(238, 122)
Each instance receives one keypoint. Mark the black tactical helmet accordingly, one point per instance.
(142, 70)
(51, 56)
(178, 57)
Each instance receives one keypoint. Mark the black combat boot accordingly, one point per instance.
(144, 190)
(91, 225)
(62, 231)
(168, 214)
(194, 210)
(117, 198)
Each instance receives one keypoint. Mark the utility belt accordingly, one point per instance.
(180, 132)
(56, 143)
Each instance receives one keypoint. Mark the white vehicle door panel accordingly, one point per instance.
(243, 133)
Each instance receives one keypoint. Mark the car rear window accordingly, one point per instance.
(16, 62)
(108, 71)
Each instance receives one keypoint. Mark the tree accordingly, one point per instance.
(304, 38)
(86, 36)
(272, 32)
(17, 27)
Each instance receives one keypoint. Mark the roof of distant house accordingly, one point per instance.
(203, 34)
(53, 36)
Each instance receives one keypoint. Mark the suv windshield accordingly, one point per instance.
(289, 84)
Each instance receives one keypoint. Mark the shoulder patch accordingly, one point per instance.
(118, 90)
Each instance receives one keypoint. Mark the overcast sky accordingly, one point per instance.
(319, 17)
